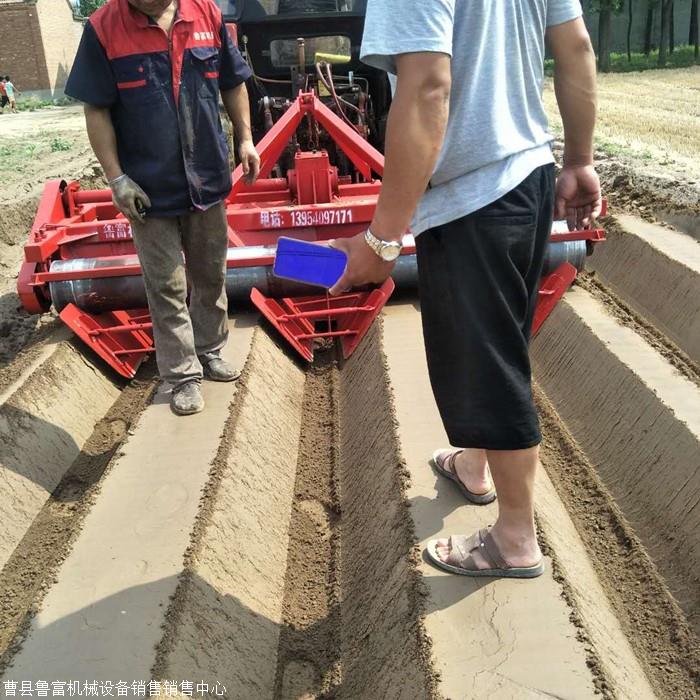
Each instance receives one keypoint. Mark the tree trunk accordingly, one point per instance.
(649, 29)
(693, 33)
(672, 28)
(629, 31)
(666, 6)
(604, 41)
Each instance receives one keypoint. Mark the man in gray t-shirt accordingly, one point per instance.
(467, 124)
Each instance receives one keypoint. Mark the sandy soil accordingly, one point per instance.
(309, 659)
(656, 627)
(35, 561)
(684, 364)
(343, 625)
(386, 650)
(34, 147)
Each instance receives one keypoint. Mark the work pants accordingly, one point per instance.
(184, 337)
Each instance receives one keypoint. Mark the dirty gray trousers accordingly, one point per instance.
(184, 336)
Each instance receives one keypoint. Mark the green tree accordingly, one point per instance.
(649, 28)
(666, 17)
(87, 7)
(672, 28)
(630, 18)
(605, 9)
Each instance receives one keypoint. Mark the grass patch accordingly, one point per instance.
(17, 156)
(33, 103)
(682, 57)
(59, 144)
(616, 149)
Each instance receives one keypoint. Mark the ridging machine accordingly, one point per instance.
(319, 118)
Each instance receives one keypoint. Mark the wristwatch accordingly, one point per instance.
(388, 251)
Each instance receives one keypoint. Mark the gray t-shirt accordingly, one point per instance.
(497, 131)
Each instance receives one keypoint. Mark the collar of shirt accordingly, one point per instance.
(184, 13)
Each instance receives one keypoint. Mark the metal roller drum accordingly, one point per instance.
(101, 294)
(573, 252)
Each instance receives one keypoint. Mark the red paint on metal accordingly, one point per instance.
(552, 289)
(118, 337)
(347, 317)
(312, 203)
(596, 235)
(29, 294)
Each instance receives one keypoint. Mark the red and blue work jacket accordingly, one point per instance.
(163, 95)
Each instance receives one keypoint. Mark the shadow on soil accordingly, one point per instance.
(51, 650)
(445, 589)
(29, 457)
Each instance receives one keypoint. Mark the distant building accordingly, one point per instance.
(38, 41)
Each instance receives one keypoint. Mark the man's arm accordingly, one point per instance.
(238, 109)
(92, 82)
(578, 188)
(415, 132)
(127, 196)
(103, 139)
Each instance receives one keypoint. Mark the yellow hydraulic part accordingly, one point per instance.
(333, 58)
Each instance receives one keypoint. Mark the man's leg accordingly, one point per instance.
(514, 532)
(472, 469)
(159, 245)
(205, 239)
(479, 279)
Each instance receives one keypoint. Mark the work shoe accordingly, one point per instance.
(187, 399)
(218, 370)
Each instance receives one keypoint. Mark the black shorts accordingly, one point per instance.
(479, 277)
(4, 101)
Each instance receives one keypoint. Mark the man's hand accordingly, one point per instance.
(578, 198)
(364, 265)
(129, 198)
(250, 160)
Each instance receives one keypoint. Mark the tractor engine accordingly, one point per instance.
(295, 46)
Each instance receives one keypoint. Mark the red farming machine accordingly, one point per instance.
(319, 180)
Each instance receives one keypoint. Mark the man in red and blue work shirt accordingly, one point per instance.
(150, 73)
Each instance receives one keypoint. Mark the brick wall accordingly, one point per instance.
(21, 48)
(61, 35)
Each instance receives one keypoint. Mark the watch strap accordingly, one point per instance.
(378, 244)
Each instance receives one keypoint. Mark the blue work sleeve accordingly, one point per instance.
(233, 70)
(91, 79)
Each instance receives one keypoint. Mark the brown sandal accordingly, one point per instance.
(443, 462)
(461, 560)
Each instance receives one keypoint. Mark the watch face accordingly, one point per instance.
(391, 251)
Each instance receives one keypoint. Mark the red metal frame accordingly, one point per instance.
(120, 338)
(312, 203)
(552, 289)
(346, 317)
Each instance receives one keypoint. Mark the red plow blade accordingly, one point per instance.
(121, 338)
(346, 317)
